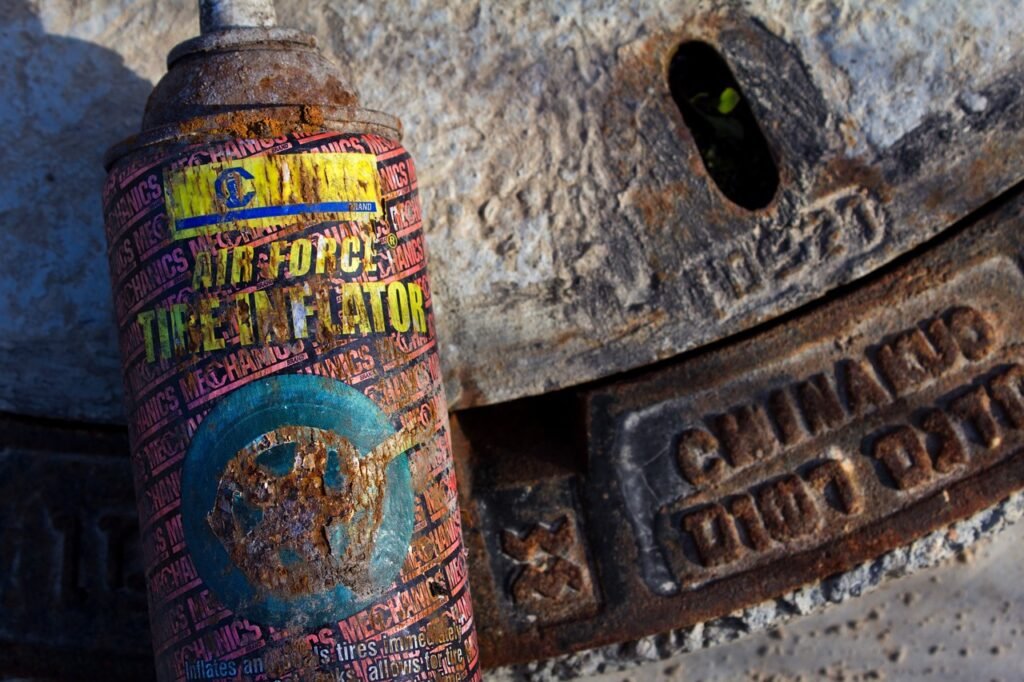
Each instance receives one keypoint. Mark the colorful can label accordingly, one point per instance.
(288, 425)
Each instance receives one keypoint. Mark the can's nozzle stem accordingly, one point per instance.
(217, 15)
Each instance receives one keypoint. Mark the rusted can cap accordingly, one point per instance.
(245, 77)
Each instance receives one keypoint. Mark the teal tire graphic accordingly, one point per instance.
(297, 500)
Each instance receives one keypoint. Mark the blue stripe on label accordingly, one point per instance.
(276, 211)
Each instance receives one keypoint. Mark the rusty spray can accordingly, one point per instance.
(287, 420)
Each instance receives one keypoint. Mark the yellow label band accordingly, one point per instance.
(267, 190)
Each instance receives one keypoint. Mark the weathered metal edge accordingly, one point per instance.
(927, 552)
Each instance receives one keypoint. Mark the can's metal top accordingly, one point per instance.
(217, 15)
(244, 77)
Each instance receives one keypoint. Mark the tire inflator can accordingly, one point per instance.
(288, 425)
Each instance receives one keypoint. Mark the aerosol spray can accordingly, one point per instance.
(288, 425)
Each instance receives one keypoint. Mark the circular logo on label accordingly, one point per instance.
(297, 501)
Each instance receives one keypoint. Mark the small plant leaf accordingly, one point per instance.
(728, 100)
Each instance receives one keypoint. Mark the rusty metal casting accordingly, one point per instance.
(716, 481)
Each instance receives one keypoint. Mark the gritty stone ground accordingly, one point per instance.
(961, 621)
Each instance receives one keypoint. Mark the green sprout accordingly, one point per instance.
(728, 100)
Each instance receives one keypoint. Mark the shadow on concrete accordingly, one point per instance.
(64, 102)
(72, 601)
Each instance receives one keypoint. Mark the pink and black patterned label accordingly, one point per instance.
(289, 430)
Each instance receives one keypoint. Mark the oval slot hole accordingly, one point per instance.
(731, 145)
